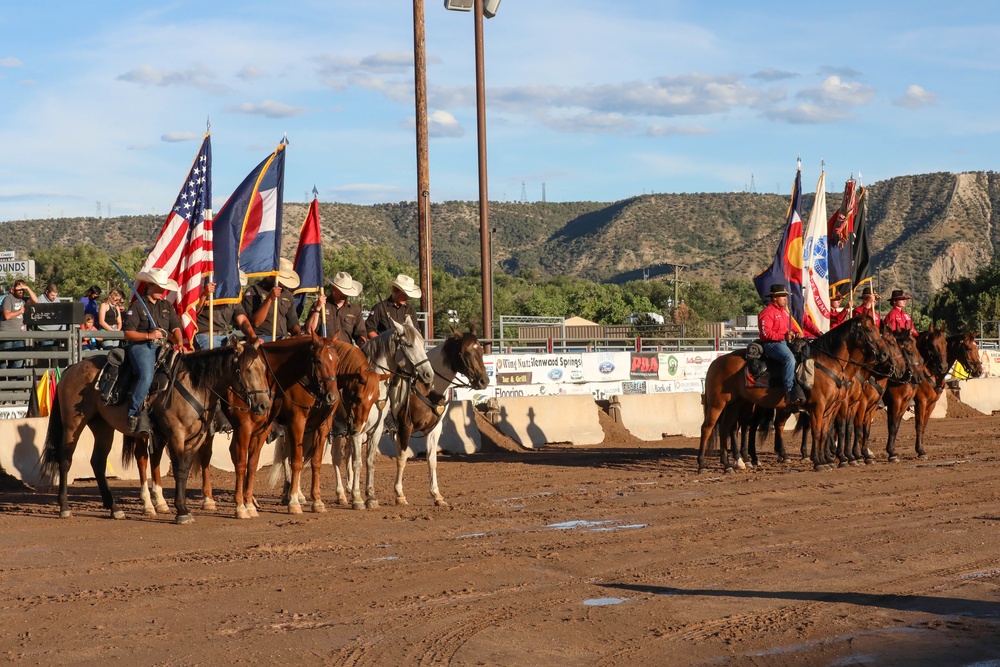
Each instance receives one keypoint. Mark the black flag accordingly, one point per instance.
(861, 257)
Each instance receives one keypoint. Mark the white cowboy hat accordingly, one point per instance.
(286, 274)
(347, 285)
(406, 286)
(158, 277)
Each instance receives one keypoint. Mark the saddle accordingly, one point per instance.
(116, 381)
(761, 371)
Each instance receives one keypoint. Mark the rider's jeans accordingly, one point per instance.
(778, 350)
(142, 356)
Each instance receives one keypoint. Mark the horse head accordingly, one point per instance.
(325, 362)
(870, 343)
(468, 360)
(933, 347)
(963, 348)
(915, 367)
(411, 347)
(252, 374)
(899, 367)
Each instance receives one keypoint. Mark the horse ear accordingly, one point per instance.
(472, 328)
(944, 327)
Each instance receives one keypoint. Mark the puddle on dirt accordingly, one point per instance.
(603, 602)
(980, 575)
(569, 525)
(609, 528)
(468, 535)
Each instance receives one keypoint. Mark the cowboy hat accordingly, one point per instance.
(286, 274)
(836, 294)
(898, 295)
(778, 289)
(347, 285)
(158, 277)
(868, 291)
(406, 285)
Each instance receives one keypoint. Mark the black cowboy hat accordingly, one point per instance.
(868, 291)
(836, 294)
(778, 289)
(898, 295)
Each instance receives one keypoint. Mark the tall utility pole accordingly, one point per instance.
(486, 252)
(677, 283)
(423, 167)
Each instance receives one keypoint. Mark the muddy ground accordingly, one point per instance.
(618, 554)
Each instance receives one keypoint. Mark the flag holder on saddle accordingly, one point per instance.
(761, 371)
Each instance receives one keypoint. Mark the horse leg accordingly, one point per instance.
(239, 448)
(103, 436)
(921, 414)
(253, 460)
(180, 459)
(894, 408)
(357, 502)
(712, 413)
(725, 426)
(432, 454)
(296, 433)
(402, 454)
(141, 455)
(205, 458)
(156, 455)
(319, 440)
(338, 458)
(818, 439)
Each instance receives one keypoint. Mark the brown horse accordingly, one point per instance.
(838, 354)
(899, 394)
(302, 377)
(180, 414)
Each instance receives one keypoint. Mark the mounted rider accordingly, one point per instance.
(838, 314)
(142, 335)
(396, 307)
(898, 319)
(868, 306)
(775, 327)
(259, 302)
(344, 320)
(224, 318)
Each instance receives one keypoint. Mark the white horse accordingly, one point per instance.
(459, 355)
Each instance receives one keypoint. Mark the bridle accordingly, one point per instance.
(312, 383)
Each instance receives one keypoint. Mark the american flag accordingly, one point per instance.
(184, 246)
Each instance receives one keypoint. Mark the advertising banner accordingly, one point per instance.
(671, 366)
(543, 368)
(606, 366)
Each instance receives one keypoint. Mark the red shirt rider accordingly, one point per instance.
(774, 321)
(867, 307)
(898, 319)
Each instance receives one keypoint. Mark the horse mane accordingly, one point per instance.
(835, 337)
(206, 367)
(379, 346)
(352, 361)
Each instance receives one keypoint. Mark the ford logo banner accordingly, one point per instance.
(606, 367)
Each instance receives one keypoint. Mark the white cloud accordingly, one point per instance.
(834, 100)
(443, 124)
(837, 92)
(249, 73)
(841, 72)
(771, 74)
(677, 130)
(174, 137)
(199, 77)
(269, 109)
(915, 98)
(10, 62)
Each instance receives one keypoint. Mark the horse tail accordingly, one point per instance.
(801, 422)
(764, 418)
(55, 441)
(128, 451)
(279, 464)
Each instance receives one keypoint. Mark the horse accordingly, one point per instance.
(461, 353)
(837, 355)
(180, 413)
(399, 354)
(899, 394)
(302, 377)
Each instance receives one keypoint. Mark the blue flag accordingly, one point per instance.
(787, 265)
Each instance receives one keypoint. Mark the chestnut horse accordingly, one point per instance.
(899, 394)
(838, 354)
(181, 415)
(302, 376)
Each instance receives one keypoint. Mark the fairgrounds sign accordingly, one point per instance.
(16, 268)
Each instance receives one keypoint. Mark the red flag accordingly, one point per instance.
(184, 246)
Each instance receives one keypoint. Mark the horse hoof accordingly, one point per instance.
(342, 500)
(294, 508)
(372, 504)
(401, 500)
(149, 511)
(729, 470)
(869, 462)
(893, 459)
(441, 502)
(702, 471)
(163, 509)
(358, 505)
(183, 519)
(740, 464)
(241, 513)
(252, 511)
(65, 514)
(118, 514)
(922, 457)
(319, 506)
(208, 505)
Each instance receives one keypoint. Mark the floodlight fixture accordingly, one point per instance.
(490, 8)
(459, 5)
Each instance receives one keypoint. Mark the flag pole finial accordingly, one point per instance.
(208, 124)
(284, 139)
(822, 165)
(798, 160)
(315, 192)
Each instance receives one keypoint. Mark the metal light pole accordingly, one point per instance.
(485, 249)
(423, 169)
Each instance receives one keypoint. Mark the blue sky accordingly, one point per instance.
(596, 99)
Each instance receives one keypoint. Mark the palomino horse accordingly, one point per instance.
(837, 354)
(181, 415)
(462, 354)
(302, 377)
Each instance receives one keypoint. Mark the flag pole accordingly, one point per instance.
(274, 322)
(211, 313)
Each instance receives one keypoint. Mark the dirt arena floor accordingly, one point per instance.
(618, 554)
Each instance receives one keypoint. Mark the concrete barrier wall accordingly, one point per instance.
(982, 394)
(459, 433)
(535, 421)
(652, 416)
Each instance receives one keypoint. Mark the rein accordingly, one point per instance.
(315, 393)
